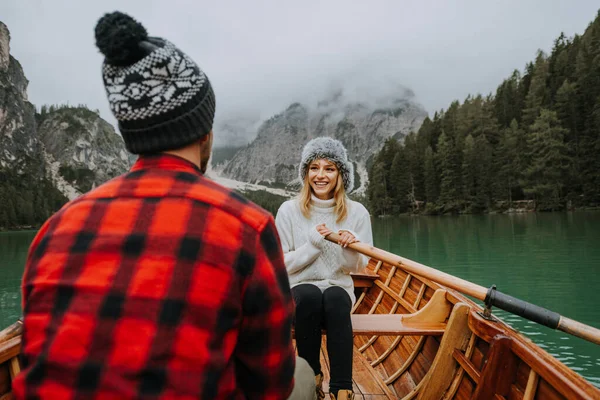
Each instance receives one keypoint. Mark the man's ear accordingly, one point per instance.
(205, 138)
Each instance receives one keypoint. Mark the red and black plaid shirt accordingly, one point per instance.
(158, 284)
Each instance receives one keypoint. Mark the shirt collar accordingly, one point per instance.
(165, 161)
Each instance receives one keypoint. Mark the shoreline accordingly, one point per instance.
(515, 211)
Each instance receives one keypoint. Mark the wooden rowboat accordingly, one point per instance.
(417, 336)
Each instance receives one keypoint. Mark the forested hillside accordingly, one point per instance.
(537, 138)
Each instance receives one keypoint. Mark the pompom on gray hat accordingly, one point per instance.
(160, 97)
(332, 150)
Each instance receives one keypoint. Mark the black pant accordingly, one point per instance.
(331, 310)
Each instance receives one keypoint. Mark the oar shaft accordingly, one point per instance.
(580, 330)
(466, 287)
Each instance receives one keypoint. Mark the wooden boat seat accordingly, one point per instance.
(367, 381)
(364, 280)
(429, 321)
(394, 325)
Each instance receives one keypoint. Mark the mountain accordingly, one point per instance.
(86, 148)
(17, 115)
(55, 153)
(273, 156)
(50, 157)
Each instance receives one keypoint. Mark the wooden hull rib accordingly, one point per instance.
(417, 339)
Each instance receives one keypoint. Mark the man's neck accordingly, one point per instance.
(190, 153)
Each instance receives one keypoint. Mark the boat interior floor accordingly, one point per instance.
(366, 382)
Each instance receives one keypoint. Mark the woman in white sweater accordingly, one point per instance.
(318, 269)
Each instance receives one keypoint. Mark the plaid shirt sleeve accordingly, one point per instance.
(33, 253)
(265, 354)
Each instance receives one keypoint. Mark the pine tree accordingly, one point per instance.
(448, 164)
(400, 182)
(524, 86)
(558, 65)
(431, 177)
(476, 172)
(537, 96)
(426, 134)
(510, 161)
(508, 102)
(483, 173)
(468, 112)
(545, 176)
(468, 169)
(567, 112)
(486, 122)
(450, 121)
(379, 196)
(415, 160)
(566, 108)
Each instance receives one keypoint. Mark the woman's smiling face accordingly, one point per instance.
(322, 177)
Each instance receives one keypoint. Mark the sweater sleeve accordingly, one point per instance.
(296, 259)
(352, 260)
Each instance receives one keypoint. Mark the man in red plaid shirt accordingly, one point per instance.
(159, 284)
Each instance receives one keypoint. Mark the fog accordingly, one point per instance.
(263, 55)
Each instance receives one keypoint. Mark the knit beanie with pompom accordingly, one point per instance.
(161, 99)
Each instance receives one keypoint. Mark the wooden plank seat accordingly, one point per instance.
(430, 320)
(394, 325)
(363, 280)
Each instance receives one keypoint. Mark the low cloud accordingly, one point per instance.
(262, 56)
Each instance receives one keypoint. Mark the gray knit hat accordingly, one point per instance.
(160, 97)
(332, 150)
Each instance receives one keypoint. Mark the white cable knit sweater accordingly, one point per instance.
(309, 258)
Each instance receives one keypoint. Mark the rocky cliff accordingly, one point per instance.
(274, 154)
(85, 148)
(49, 157)
(18, 142)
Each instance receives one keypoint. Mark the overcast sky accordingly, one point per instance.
(263, 55)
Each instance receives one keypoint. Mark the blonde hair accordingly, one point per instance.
(339, 195)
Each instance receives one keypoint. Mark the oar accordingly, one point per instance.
(490, 296)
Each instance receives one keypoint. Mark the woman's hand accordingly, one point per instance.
(346, 238)
(323, 230)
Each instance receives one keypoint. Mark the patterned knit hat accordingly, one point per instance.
(160, 97)
(332, 150)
